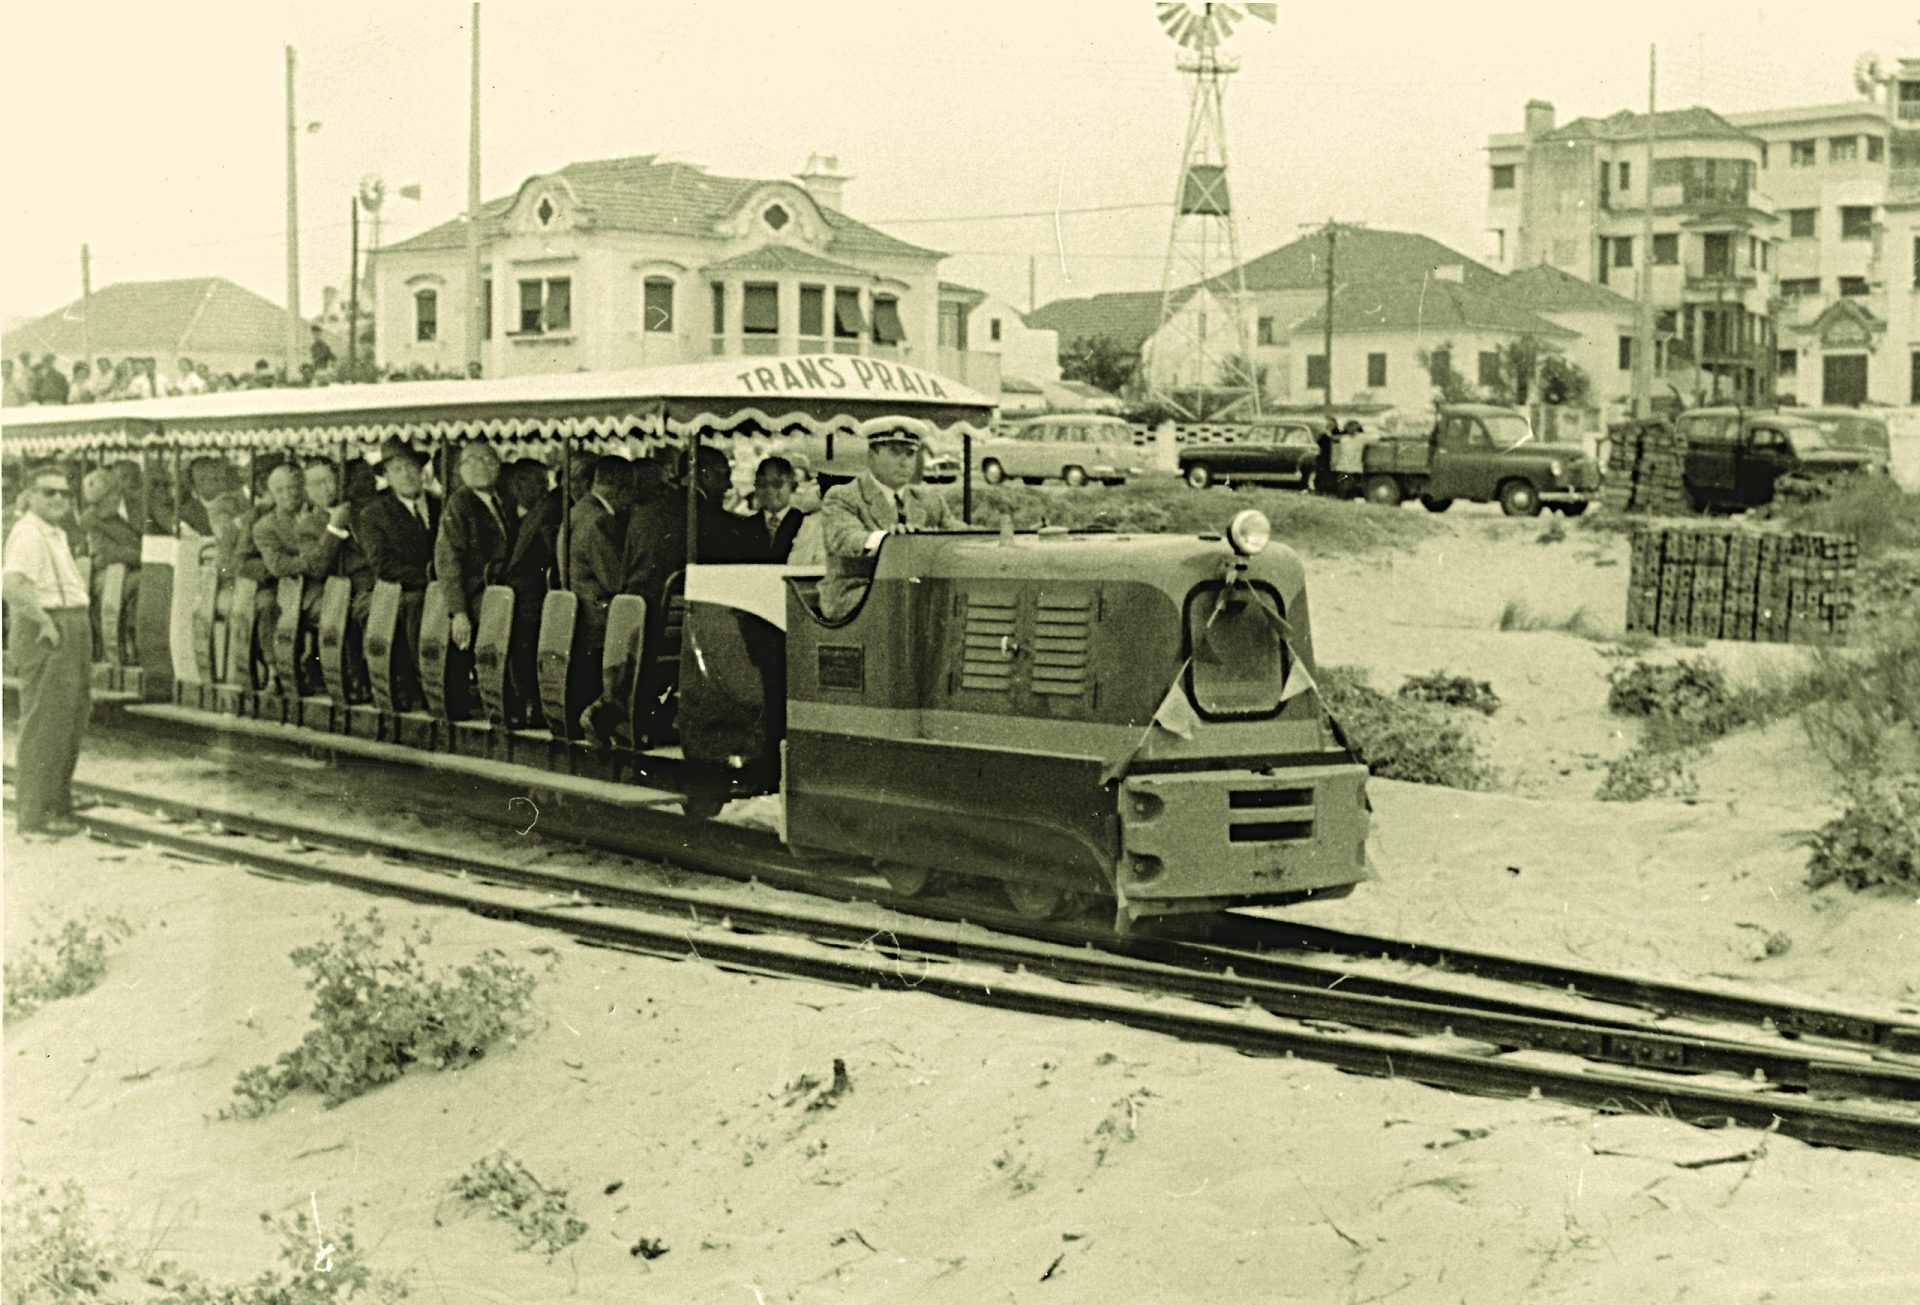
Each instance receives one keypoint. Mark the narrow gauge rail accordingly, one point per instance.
(1781, 1096)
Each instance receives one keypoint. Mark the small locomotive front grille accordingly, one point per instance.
(1061, 630)
(1290, 812)
(987, 644)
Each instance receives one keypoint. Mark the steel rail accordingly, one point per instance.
(1684, 1097)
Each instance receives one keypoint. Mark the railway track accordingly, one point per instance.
(1204, 991)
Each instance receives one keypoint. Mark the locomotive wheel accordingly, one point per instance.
(992, 472)
(907, 880)
(1037, 901)
(702, 806)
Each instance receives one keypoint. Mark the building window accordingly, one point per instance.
(775, 216)
(1716, 250)
(546, 306)
(1623, 251)
(1439, 362)
(1489, 368)
(426, 315)
(993, 330)
(1853, 285)
(887, 327)
(1800, 287)
(1626, 353)
(486, 309)
(1264, 331)
(1766, 256)
(1916, 262)
(813, 310)
(1376, 370)
(849, 323)
(1856, 223)
(1666, 250)
(1503, 176)
(1843, 149)
(1763, 154)
(719, 308)
(1787, 362)
(658, 312)
(1913, 381)
(1876, 149)
(1803, 153)
(1316, 371)
(760, 309)
(1626, 176)
(1802, 223)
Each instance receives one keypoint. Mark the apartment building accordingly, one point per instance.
(1786, 248)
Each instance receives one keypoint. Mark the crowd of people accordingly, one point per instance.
(106, 381)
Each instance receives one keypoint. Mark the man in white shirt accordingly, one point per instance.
(856, 517)
(52, 646)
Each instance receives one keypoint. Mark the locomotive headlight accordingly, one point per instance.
(1249, 532)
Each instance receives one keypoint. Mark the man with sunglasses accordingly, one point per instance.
(51, 647)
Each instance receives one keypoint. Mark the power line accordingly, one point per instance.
(1033, 213)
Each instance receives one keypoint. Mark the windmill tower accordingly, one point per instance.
(1193, 349)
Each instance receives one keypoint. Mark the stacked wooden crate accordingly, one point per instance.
(1741, 582)
(1646, 470)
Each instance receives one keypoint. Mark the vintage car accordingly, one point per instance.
(1848, 428)
(1737, 458)
(1074, 447)
(1272, 450)
(1478, 452)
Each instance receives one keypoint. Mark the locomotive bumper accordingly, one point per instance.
(1196, 841)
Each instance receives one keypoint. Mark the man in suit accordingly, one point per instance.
(539, 509)
(475, 541)
(112, 538)
(856, 517)
(776, 520)
(397, 529)
(593, 568)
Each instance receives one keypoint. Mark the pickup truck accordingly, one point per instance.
(1269, 450)
(1478, 452)
(1737, 459)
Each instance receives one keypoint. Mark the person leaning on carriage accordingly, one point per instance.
(475, 541)
(882, 500)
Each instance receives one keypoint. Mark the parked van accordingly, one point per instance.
(1075, 448)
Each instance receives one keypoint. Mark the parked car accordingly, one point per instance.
(1736, 459)
(1478, 452)
(1848, 428)
(1259, 451)
(1075, 448)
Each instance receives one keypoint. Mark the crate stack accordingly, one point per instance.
(1646, 470)
(1739, 582)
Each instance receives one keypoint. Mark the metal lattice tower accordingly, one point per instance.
(1195, 358)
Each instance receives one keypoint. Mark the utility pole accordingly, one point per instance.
(1643, 332)
(293, 231)
(353, 288)
(473, 203)
(1326, 335)
(1033, 279)
(86, 306)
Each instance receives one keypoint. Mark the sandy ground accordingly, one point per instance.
(978, 1151)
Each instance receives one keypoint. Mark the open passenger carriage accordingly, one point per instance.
(1130, 718)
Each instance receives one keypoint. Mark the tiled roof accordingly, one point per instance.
(642, 194)
(1429, 306)
(1668, 125)
(1360, 254)
(204, 315)
(1127, 317)
(783, 258)
(1548, 289)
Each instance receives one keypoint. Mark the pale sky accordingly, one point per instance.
(156, 132)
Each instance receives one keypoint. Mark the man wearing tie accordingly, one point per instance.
(777, 520)
(396, 530)
(476, 539)
(856, 517)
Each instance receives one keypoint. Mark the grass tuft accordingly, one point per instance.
(542, 1215)
(1518, 615)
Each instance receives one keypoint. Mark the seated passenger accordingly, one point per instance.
(856, 517)
(475, 540)
(775, 520)
(593, 545)
(112, 538)
(397, 527)
(530, 572)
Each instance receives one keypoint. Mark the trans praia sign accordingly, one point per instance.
(840, 378)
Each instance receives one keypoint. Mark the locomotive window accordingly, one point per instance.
(1238, 665)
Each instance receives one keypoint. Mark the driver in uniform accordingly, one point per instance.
(857, 516)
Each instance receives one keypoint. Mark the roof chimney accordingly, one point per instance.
(1539, 118)
(824, 180)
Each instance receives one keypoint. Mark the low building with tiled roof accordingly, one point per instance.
(638, 261)
(208, 319)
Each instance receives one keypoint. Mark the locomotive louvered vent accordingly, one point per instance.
(987, 660)
(1061, 627)
(1270, 815)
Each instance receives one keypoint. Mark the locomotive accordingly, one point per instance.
(1127, 718)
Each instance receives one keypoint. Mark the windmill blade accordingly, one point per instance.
(1179, 22)
(1265, 13)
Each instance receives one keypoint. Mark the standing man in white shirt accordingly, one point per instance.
(52, 645)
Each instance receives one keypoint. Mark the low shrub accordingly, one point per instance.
(50, 1251)
(1861, 710)
(1400, 738)
(1873, 509)
(542, 1215)
(1874, 842)
(1644, 773)
(62, 962)
(376, 1013)
(1451, 691)
(1683, 702)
